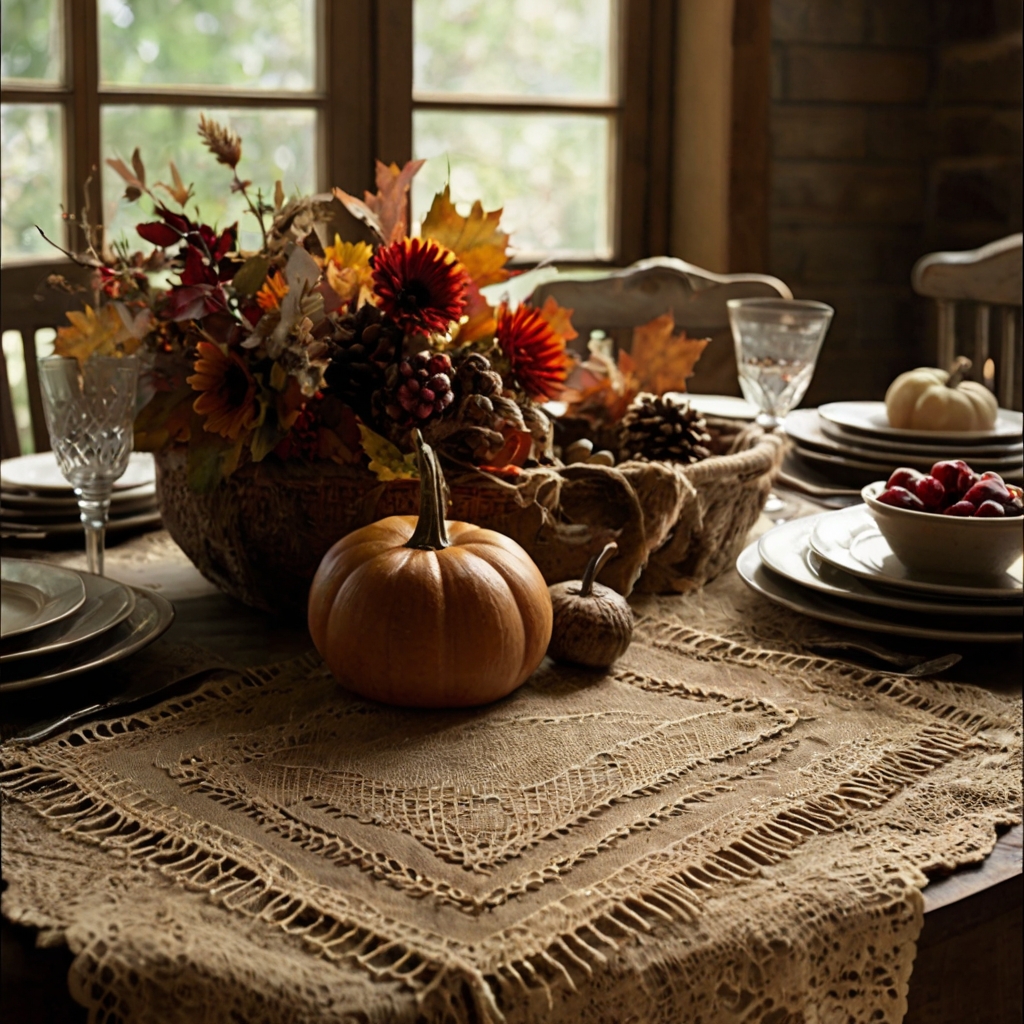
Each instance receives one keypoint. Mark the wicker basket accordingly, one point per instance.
(260, 534)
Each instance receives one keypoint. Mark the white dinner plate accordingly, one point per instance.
(871, 418)
(36, 594)
(850, 540)
(44, 516)
(728, 407)
(807, 432)
(107, 603)
(845, 613)
(883, 445)
(149, 619)
(40, 472)
(786, 550)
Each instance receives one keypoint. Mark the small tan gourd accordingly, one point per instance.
(593, 624)
(932, 399)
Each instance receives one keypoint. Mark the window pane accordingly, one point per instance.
(276, 144)
(550, 172)
(33, 178)
(516, 47)
(247, 44)
(30, 40)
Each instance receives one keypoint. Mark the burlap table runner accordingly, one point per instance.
(723, 828)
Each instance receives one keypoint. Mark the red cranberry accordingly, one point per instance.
(955, 475)
(900, 497)
(990, 510)
(961, 508)
(990, 475)
(904, 477)
(988, 490)
(931, 492)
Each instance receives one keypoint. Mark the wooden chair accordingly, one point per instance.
(988, 279)
(617, 301)
(27, 309)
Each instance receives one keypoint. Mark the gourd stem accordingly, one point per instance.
(431, 533)
(956, 372)
(594, 566)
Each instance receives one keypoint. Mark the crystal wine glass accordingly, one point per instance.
(777, 346)
(89, 411)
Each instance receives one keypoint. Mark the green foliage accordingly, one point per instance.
(30, 40)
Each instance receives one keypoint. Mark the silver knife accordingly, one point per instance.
(137, 692)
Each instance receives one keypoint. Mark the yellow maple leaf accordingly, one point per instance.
(662, 359)
(92, 332)
(386, 461)
(347, 269)
(477, 240)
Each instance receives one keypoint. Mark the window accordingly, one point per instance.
(519, 103)
(558, 110)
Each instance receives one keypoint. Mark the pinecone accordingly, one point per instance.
(361, 347)
(474, 429)
(656, 428)
(419, 388)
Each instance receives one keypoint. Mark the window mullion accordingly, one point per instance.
(82, 121)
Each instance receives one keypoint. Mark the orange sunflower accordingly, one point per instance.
(274, 289)
(228, 391)
(420, 285)
(535, 350)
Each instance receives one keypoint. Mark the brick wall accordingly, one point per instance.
(895, 130)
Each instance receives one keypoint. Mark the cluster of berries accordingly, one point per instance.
(952, 488)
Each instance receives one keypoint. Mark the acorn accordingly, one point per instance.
(593, 625)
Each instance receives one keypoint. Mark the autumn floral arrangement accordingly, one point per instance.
(313, 349)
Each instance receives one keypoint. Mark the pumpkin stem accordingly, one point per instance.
(595, 565)
(431, 533)
(956, 372)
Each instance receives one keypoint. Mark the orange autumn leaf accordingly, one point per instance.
(663, 360)
(387, 212)
(100, 332)
(479, 316)
(559, 318)
(477, 240)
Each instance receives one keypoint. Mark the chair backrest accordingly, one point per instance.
(982, 281)
(619, 300)
(28, 308)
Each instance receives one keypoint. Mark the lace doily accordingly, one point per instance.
(722, 828)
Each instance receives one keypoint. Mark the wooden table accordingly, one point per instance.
(968, 965)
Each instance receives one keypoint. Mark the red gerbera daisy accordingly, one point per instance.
(420, 285)
(536, 351)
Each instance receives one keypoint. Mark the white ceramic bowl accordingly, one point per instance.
(966, 546)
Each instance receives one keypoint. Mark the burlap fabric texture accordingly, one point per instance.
(260, 534)
(723, 828)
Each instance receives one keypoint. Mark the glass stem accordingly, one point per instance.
(93, 506)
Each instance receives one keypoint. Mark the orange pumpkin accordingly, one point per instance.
(423, 612)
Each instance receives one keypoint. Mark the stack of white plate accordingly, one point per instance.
(838, 567)
(36, 501)
(853, 442)
(57, 623)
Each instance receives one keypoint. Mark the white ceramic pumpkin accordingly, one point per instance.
(932, 399)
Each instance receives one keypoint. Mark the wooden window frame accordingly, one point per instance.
(642, 110)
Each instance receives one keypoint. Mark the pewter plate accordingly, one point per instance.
(786, 550)
(783, 592)
(107, 604)
(41, 473)
(151, 617)
(850, 540)
(871, 418)
(880, 446)
(808, 430)
(41, 530)
(36, 594)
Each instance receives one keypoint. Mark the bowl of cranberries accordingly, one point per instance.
(949, 520)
